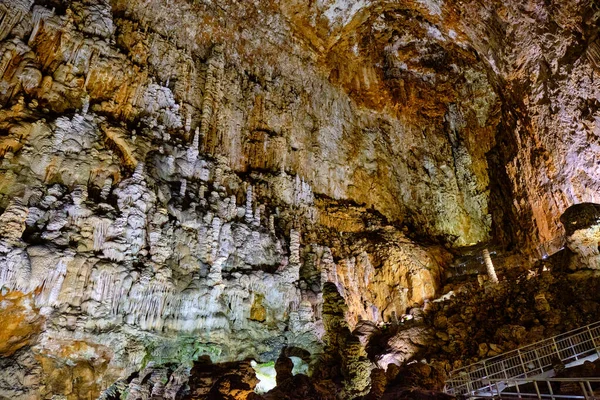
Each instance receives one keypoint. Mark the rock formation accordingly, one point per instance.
(187, 187)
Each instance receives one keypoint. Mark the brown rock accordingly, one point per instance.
(258, 312)
(21, 324)
(483, 349)
(283, 368)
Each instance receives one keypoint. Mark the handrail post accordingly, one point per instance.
(556, 348)
(537, 389)
(593, 341)
(539, 361)
(518, 390)
(590, 388)
(584, 391)
(487, 375)
(470, 385)
(570, 339)
(522, 363)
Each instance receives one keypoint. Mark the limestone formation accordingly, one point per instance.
(188, 187)
(582, 226)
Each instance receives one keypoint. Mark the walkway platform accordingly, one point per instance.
(527, 364)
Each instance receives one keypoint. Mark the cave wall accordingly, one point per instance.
(380, 138)
(149, 215)
(181, 179)
(545, 59)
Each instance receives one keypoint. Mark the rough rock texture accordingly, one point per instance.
(264, 105)
(227, 179)
(581, 223)
(481, 322)
(545, 59)
(137, 238)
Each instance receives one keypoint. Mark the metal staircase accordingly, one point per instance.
(532, 364)
(545, 388)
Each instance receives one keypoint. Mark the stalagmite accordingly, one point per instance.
(188, 122)
(192, 151)
(249, 214)
(106, 188)
(218, 176)
(212, 94)
(257, 215)
(490, 266)
(294, 247)
(138, 173)
(170, 164)
(183, 187)
(318, 130)
(40, 13)
(85, 104)
(272, 223)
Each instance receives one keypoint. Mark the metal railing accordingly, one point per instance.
(534, 360)
(545, 388)
(474, 265)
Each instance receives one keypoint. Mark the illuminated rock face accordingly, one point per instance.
(392, 144)
(582, 226)
(180, 179)
(546, 63)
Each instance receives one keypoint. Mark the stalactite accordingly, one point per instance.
(212, 95)
(329, 269)
(100, 231)
(12, 221)
(216, 231)
(302, 192)
(59, 137)
(40, 14)
(11, 14)
(15, 271)
(52, 285)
